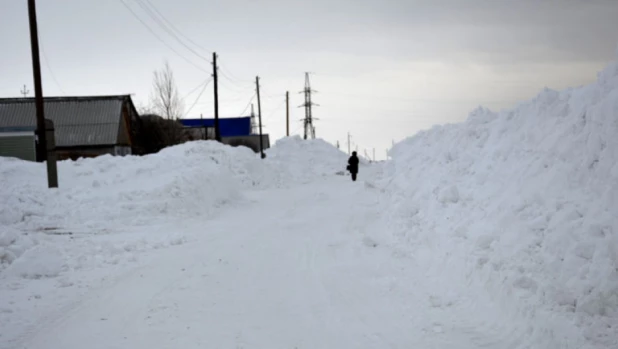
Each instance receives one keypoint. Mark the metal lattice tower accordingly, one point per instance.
(308, 121)
(254, 126)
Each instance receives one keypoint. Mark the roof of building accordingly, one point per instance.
(230, 127)
(78, 121)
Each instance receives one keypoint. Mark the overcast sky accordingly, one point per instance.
(383, 69)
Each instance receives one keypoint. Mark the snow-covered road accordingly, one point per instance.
(498, 232)
(293, 269)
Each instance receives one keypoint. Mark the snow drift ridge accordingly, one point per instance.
(528, 198)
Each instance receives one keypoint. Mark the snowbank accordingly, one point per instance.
(294, 160)
(107, 194)
(523, 205)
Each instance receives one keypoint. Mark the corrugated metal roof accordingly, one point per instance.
(78, 121)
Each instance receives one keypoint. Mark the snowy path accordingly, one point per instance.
(296, 269)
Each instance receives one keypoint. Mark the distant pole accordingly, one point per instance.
(287, 113)
(253, 125)
(257, 86)
(216, 81)
(349, 151)
(52, 178)
(203, 126)
(24, 91)
(374, 154)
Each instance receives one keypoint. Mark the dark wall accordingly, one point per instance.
(75, 153)
(252, 142)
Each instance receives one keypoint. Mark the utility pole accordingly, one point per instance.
(308, 121)
(203, 127)
(52, 174)
(257, 87)
(216, 81)
(287, 113)
(25, 92)
(349, 151)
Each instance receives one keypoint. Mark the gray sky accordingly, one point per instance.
(384, 69)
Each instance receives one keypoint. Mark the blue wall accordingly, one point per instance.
(230, 127)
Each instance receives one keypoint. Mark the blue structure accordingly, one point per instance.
(230, 127)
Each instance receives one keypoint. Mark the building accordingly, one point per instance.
(234, 131)
(84, 126)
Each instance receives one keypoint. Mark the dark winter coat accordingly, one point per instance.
(353, 164)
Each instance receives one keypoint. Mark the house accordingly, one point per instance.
(84, 126)
(234, 131)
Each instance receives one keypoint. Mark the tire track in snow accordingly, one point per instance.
(289, 272)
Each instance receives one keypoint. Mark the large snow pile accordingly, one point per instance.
(109, 194)
(294, 160)
(522, 204)
(189, 178)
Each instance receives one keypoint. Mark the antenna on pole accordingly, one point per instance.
(24, 91)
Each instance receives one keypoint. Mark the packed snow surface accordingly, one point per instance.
(499, 232)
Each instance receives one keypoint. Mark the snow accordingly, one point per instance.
(498, 232)
(527, 202)
(299, 161)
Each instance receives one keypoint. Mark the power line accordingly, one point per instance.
(228, 75)
(248, 104)
(238, 85)
(162, 24)
(176, 29)
(51, 72)
(198, 98)
(235, 92)
(276, 109)
(159, 38)
(207, 81)
(169, 27)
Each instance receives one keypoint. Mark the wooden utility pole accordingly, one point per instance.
(41, 145)
(257, 87)
(287, 113)
(216, 81)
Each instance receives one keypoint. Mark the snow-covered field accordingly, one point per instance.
(499, 232)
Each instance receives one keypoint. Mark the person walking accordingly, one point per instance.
(353, 165)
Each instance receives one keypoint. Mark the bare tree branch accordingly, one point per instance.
(164, 98)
